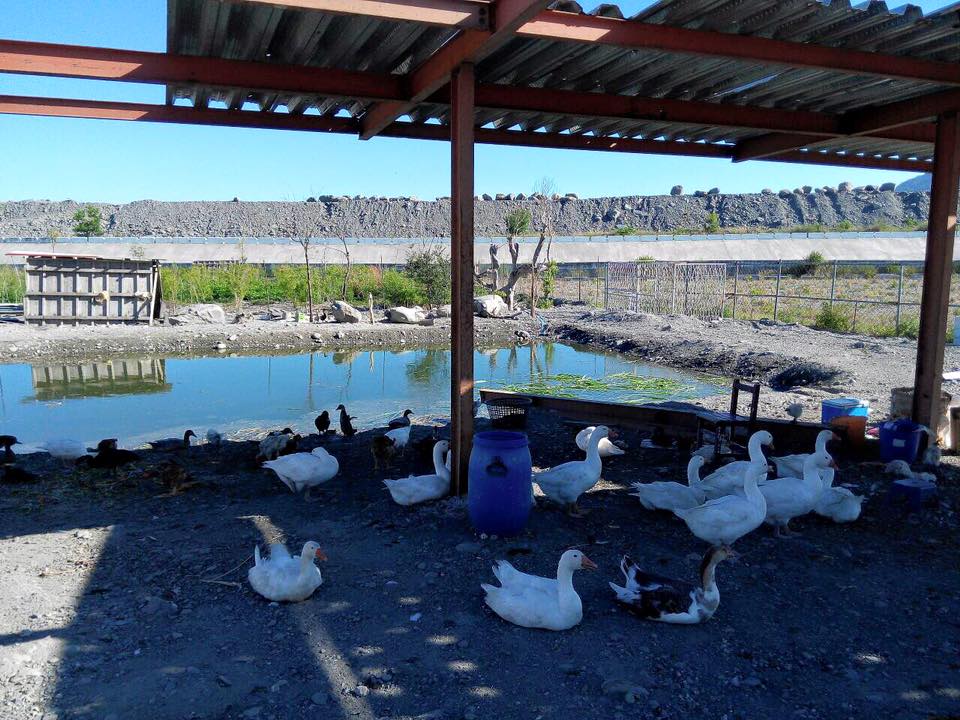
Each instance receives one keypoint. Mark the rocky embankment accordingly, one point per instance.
(408, 217)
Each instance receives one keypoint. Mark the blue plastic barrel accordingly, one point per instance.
(499, 495)
(900, 440)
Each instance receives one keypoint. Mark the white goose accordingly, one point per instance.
(606, 448)
(422, 488)
(671, 495)
(65, 449)
(792, 465)
(282, 578)
(791, 497)
(565, 483)
(400, 436)
(303, 471)
(726, 519)
(538, 602)
(730, 477)
(837, 503)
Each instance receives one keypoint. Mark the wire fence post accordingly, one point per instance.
(606, 284)
(896, 324)
(736, 284)
(580, 283)
(833, 284)
(776, 292)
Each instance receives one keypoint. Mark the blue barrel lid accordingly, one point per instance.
(846, 402)
(501, 439)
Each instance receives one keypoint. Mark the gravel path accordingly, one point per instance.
(117, 604)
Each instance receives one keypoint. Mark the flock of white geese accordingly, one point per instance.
(719, 509)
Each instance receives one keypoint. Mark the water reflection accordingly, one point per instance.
(141, 399)
(138, 376)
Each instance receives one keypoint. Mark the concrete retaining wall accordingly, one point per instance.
(841, 246)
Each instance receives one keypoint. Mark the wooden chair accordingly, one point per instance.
(726, 424)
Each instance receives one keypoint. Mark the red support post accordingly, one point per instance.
(937, 271)
(462, 87)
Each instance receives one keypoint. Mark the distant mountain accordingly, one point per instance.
(920, 183)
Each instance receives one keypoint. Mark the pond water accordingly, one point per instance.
(146, 398)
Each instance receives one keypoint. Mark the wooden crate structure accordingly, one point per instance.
(90, 290)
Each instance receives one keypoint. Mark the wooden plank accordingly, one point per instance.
(461, 262)
(937, 271)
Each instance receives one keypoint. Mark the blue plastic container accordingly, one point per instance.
(500, 492)
(839, 407)
(900, 440)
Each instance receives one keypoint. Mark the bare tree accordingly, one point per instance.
(304, 240)
(544, 190)
(340, 228)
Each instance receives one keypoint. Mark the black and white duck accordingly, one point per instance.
(322, 422)
(346, 427)
(654, 597)
(169, 444)
(108, 456)
(7, 442)
(401, 421)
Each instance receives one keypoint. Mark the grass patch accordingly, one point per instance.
(624, 387)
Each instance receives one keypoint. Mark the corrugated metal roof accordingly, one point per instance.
(250, 31)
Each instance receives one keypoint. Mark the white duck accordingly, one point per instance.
(214, 436)
(726, 519)
(730, 477)
(282, 578)
(538, 602)
(565, 483)
(606, 448)
(400, 436)
(671, 495)
(791, 497)
(653, 597)
(303, 471)
(792, 465)
(65, 449)
(422, 488)
(837, 503)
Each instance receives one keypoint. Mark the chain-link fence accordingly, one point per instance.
(667, 288)
(863, 297)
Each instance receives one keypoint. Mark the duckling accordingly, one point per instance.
(383, 449)
(7, 442)
(795, 410)
(402, 421)
(346, 427)
(214, 437)
(322, 422)
(276, 444)
(169, 444)
(173, 476)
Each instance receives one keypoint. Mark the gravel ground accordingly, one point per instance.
(118, 604)
(772, 353)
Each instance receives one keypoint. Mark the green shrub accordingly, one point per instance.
(844, 226)
(909, 328)
(625, 230)
(713, 223)
(400, 289)
(12, 284)
(833, 319)
(808, 266)
(429, 267)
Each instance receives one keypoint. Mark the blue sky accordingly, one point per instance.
(110, 161)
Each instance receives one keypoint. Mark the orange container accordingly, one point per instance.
(854, 430)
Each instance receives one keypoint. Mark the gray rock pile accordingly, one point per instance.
(328, 215)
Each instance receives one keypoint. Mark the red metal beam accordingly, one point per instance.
(467, 47)
(445, 13)
(937, 271)
(159, 68)
(461, 130)
(575, 27)
(135, 66)
(95, 109)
